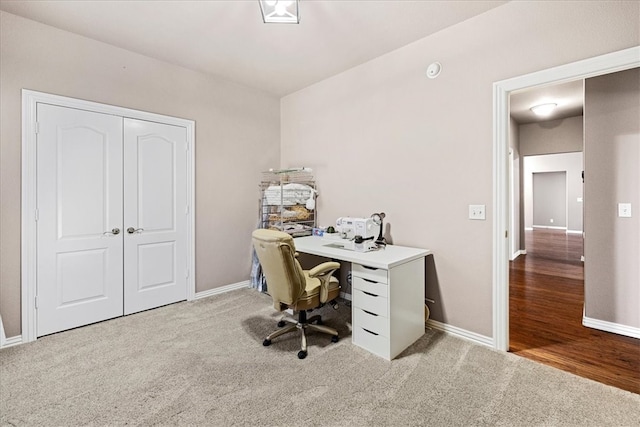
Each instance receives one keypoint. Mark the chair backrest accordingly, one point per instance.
(285, 278)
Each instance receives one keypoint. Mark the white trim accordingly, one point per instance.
(11, 341)
(574, 231)
(616, 328)
(461, 333)
(528, 229)
(222, 289)
(550, 227)
(516, 254)
(30, 100)
(3, 337)
(596, 66)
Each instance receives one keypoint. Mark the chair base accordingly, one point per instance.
(302, 324)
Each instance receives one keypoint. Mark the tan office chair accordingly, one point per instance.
(292, 287)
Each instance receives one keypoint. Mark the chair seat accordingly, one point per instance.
(311, 295)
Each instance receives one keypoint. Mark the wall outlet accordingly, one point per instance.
(624, 210)
(551, 220)
(477, 212)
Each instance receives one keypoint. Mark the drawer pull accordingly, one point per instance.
(368, 280)
(370, 313)
(370, 294)
(372, 333)
(369, 268)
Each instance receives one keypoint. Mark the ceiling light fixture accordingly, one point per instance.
(544, 109)
(280, 11)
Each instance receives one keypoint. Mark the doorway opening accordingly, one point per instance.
(504, 229)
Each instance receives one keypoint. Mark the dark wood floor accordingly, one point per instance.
(546, 294)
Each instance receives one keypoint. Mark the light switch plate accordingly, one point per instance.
(624, 210)
(477, 212)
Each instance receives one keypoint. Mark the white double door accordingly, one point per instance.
(112, 229)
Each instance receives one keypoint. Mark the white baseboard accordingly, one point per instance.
(222, 289)
(574, 231)
(528, 229)
(3, 338)
(461, 333)
(550, 227)
(616, 328)
(516, 254)
(11, 341)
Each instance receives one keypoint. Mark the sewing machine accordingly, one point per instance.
(357, 234)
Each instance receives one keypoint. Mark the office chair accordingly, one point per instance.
(292, 287)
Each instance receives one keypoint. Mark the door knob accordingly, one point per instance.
(113, 231)
(132, 230)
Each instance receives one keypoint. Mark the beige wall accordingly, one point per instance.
(552, 142)
(384, 137)
(552, 136)
(612, 175)
(572, 164)
(237, 136)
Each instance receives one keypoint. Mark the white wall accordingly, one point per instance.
(237, 136)
(572, 164)
(384, 137)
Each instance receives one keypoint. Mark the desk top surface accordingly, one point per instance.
(386, 258)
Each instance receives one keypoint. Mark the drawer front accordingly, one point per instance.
(380, 289)
(376, 344)
(376, 274)
(370, 321)
(373, 303)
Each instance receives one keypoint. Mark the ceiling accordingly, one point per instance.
(569, 97)
(228, 38)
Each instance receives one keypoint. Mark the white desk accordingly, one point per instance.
(387, 293)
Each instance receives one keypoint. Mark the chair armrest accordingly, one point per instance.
(323, 272)
(324, 268)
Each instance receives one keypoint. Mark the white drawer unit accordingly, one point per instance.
(388, 307)
(369, 286)
(371, 321)
(387, 295)
(374, 274)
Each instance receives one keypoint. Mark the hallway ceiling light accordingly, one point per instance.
(280, 11)
(544, 109)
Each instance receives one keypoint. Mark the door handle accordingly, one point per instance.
(113, 231)
(132, 230)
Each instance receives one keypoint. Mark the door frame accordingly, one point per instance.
(592, 67)
(30, 100)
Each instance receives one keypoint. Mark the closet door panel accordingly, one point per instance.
(155, 214)
(79, 199)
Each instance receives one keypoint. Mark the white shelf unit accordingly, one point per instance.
(283, 201)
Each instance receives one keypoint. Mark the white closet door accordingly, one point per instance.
(79, 226)
(155, 214)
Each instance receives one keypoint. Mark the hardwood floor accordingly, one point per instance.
(546, 294)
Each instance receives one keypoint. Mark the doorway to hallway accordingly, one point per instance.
(546, 297)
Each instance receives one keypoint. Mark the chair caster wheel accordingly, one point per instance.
(266, 343)
(334, 338)
(281, 323)
(302, 354)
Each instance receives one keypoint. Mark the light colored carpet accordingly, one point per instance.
(203, 363)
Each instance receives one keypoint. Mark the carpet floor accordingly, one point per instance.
(202, 363)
